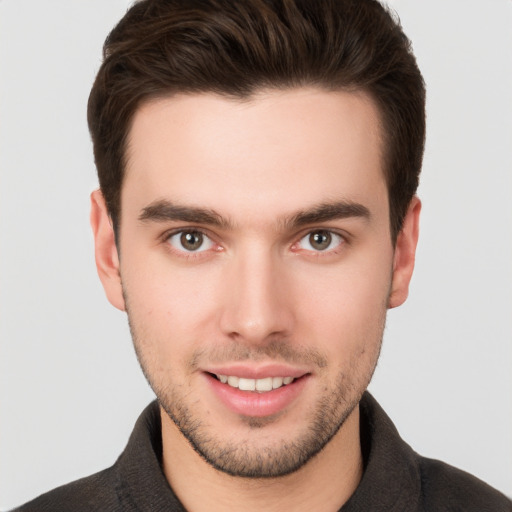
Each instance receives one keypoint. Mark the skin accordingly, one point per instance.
(257, 292)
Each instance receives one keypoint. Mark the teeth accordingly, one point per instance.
(266, 384)
(233, 381)
(277, 382)
(246, 384)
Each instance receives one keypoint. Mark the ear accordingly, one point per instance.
(105, 251)
(405, 253)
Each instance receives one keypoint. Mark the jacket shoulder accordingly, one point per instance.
(445, 488)
(96, 492)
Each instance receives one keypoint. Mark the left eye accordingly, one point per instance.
(320, 241)
(190, 241)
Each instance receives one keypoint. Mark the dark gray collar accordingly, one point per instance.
(391, 479)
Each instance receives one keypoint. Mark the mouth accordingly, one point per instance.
(263, 395)
(263, 385)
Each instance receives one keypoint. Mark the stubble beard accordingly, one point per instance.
(237, 457)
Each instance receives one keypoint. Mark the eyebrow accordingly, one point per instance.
(329, 211)
(164, 210)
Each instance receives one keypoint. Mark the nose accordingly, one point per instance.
(257, 306)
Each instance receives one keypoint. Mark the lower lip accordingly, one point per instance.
(258, 405)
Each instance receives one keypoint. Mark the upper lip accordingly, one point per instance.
(250, 371)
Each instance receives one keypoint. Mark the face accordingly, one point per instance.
(256, 267)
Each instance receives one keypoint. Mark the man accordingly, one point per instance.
(257, 217)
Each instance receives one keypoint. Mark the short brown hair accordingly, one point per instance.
(235, 48)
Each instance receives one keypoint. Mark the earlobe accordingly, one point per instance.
(405, 253)
(105, 251)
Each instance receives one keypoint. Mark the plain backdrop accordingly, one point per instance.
(70, 386)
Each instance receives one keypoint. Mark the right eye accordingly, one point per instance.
(190, 241)
(321, 240)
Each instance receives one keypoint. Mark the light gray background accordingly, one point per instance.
(70, 387)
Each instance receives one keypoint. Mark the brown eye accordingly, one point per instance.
(190, 241)
(321, 240)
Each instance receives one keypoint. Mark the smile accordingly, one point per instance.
(257, 395)
(258, 385)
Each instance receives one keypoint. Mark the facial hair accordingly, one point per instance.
(237, 456)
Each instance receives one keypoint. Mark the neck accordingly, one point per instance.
(326, 482)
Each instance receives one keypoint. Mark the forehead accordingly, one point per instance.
(278, 151)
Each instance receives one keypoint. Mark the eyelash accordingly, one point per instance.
(333, 235)
(166, 237)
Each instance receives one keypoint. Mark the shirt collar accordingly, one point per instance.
(391, 478)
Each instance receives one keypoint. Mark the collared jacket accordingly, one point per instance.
(395, 478)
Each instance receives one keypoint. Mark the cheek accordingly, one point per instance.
(346, 307)
(169, 307)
